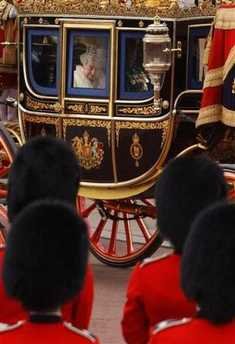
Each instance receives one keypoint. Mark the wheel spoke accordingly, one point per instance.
(86, 212)
(129, 242)
(144, 229)
(147, 202)
(95, 237)
(2, 239)
(112, 243)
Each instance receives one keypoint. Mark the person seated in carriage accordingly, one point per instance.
(44, 266)
(207, 278)
(186, 186)
(45, 167)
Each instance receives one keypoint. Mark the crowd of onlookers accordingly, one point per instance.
(46, 282)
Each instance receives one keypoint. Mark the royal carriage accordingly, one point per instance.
(81, 78)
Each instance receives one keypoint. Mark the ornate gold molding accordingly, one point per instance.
(42, 120)
(111, 8)
(140, 110)
(87, 123)
(98, 109)
(86, 108)
(77, 108)
(162, 125)
(40, 106)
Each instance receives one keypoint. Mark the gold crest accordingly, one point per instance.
(89, 151)
(136, 150)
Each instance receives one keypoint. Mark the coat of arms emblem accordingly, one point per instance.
(89, 150)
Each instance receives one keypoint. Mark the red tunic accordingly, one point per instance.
(43, 333)
(153, 295)
(77, 311)
(196, 331)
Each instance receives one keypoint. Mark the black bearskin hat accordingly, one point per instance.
(44, 167)
(208, 263)
(46, 255)
(187, 185)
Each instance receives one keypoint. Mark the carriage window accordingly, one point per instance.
(88, 64)
(134, 82)
(196, 47)
(42, 61)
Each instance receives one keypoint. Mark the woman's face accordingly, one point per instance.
(89, 71)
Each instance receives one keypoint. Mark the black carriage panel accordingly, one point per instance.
(192, 33)
(42, 60)
(35, 125)
(140, 146)
(91, 140)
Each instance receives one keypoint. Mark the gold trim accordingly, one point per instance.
(87, 123)
(140, 110)
(88, 24)
(37, 105)
(162, 125)
(95, 7)
(42, 120)
(97, 109)
(146, 177)
(25, 75)
(120, 193)
(225, 18)
(78, 108)
(215, 113)
(214, 77)
(114, 160)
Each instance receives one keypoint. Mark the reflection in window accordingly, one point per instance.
(136, 79)
(42, 59)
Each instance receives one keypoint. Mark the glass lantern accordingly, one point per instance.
(157, 56)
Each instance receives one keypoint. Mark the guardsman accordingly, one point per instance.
(208, 279)
(186, 186)
(44, 266)
(45, 167)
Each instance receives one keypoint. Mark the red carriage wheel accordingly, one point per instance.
(121, 232)
(3, 225)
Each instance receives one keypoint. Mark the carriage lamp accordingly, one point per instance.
(157, 57)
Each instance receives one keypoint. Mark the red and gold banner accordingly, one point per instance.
(218, 101)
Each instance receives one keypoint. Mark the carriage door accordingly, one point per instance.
(87, 94)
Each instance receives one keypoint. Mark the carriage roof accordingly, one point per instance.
(94, 8)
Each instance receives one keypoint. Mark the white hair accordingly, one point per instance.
(87, 58)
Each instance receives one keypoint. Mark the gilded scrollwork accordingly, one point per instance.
(84, 108)
(161, 125)
(98, 109)
(77, 108)
(137, 110)
(40, 106)
(112, 8)
(86, 123)
(42, 120)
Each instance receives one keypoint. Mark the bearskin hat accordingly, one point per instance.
(186, 186)
(44, 167)
(46, 255)
(208, 263)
